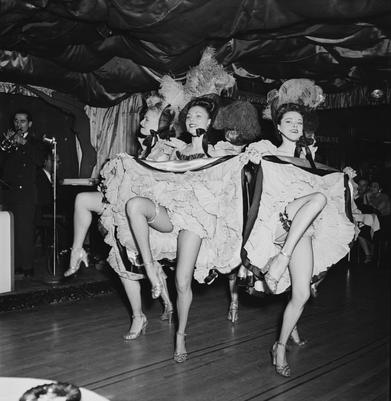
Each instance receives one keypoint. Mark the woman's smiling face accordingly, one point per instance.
(197, 117)
(291, 126)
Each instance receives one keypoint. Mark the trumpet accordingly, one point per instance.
(8, 142)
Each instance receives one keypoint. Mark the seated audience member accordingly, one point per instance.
(381, 204)
(362, 190)
(377, 199)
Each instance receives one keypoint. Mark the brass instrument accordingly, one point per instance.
(8, 142)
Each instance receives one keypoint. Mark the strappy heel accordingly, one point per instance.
(282, 370)
(271, 281)
(78, 255)
(181, 357)
(132, 335)
(156, 289)
(233, 312)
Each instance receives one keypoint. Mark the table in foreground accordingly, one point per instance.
(12, 388)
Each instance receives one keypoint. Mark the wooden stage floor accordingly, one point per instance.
(347, 357)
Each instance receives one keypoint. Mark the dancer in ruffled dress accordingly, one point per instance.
(157, 145)
(196, 216)
(300, 228)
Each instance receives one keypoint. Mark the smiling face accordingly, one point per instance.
(197, 117)
(291, 126)
(150, 121)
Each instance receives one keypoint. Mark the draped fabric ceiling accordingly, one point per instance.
(102, 51)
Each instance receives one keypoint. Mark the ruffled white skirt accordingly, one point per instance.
(207, 202)
(331, 231)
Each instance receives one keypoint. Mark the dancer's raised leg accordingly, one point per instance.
(188, 248)
(86, 203)
(142, 213)
(301, 212)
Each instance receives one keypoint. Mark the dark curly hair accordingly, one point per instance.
(211, 105)
(280, 112)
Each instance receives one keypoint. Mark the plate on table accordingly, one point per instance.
(12, 388)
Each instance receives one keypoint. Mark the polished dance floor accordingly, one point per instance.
(346, 358)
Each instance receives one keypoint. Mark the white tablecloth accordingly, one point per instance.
(369, 219)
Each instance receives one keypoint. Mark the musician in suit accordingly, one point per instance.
(44, 182)
(45, 200)
(19, 171)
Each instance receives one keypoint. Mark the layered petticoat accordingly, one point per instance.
(207, 202)
(331, 231)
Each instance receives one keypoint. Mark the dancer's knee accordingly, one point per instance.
(82, 200)
(319, 199)
(182, 285)
(134, 206)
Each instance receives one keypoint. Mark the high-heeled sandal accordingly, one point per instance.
(132, 335)
(168, 313)
(294, 339)
(156, 289)
(74, 265)
(181, 357)
(233, 312)
(271, 281)
(282, 370)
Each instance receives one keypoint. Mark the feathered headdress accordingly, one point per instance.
(208, 77)
(301, 91)
(173, 93)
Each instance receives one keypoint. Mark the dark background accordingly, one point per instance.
(47, 120)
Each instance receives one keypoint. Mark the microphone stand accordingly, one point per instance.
(55, 278)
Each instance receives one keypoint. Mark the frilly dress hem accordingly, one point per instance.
(207, 202)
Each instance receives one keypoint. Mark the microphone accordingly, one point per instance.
(50, 141)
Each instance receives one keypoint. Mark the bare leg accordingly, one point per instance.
(233, 314)
(189, 245)
(301, 267)
(139, 321)
(141, 213)
(233, 289)
(302, 212)
(168, 308)
(85, 204)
